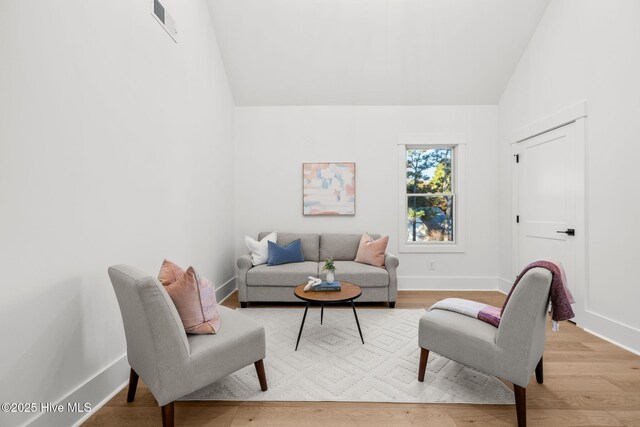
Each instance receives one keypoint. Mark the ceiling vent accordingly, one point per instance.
(162, 16)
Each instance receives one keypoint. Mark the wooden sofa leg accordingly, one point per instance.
(521, 404)
(540, 372)
(243, 304)
(167, 415)
(133, 385)
(262, 377)
(392, 304)
(424, 355)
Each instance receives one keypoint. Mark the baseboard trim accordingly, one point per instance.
(226, 289)
(622, 346)
(96, 391)
(504, 285)
(617, 333)
(101, 404)
(447, 283)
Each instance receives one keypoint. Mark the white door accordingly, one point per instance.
(546, 200)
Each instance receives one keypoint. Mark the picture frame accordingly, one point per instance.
(329, 188)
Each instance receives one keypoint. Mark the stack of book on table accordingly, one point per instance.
(327, 287)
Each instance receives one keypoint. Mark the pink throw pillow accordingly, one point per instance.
(169, 272)
(195, 299)
(372, 251)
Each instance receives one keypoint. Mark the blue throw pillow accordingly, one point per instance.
(285, 254)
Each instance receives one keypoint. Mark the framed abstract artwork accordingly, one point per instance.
(329, 188)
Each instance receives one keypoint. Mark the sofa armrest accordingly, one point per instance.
(244, 262)
(244, 265)
(391, 263)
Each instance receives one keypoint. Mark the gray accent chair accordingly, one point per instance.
(171, 363)
(264, 283)
(513, 351)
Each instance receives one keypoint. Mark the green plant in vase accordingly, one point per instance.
(330, 268)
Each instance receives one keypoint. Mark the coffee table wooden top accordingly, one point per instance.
(348, 292)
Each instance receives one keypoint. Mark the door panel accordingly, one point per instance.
(547, 199)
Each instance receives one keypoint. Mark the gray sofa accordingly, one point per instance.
(276, 283)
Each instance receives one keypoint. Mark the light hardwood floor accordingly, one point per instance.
(587, 382)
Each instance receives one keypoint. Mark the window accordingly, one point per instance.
(430, 196)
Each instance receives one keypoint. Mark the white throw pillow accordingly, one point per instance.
(260, 250)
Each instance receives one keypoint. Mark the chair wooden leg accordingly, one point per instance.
(521, 404)
(133, 385)
(424, 355)
(540, 372)
(262, 377)
(167, 415)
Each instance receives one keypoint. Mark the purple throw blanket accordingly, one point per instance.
(561, 298)
(559, 295)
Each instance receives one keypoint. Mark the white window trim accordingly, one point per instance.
(458, 141)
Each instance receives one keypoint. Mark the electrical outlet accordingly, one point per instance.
(432, 264)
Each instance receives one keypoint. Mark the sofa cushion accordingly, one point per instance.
(310, 243)
(285, 254)
(282, 275)
(342, 247)
(372, 251)
(260, 249)
(363, 275)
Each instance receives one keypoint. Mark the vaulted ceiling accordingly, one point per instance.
(372, 52)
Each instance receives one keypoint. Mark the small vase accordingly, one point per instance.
(330, 277)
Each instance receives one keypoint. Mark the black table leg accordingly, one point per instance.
(302, 326)
(357, 322)
(321, 312)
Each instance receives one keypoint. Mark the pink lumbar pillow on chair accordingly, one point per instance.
(169, 272)
(194, 297)
(372, 251)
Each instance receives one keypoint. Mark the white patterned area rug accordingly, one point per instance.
(332, 364)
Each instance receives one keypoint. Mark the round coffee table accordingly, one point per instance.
(348, 293)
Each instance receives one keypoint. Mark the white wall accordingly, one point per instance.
(273, 142)
(116, 147)
(589, 50)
